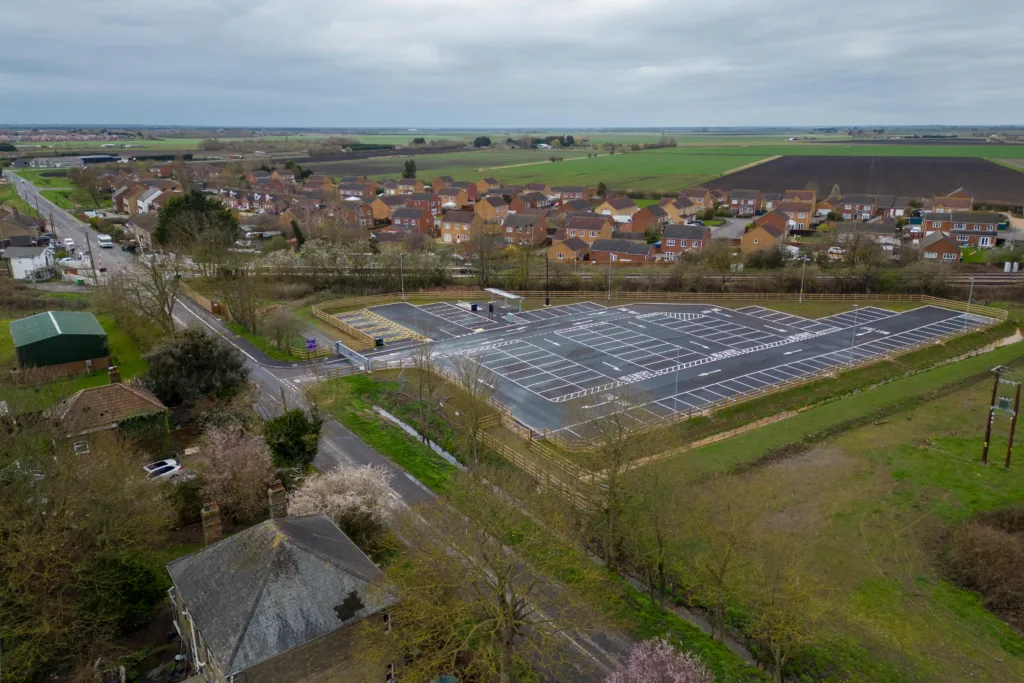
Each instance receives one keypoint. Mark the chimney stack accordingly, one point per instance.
(278, 501)
(211, 522)
(114, 374)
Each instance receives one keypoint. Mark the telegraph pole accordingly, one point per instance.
(1013, 427)
(991, 419)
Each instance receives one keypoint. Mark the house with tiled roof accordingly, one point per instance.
(744, 202)
(764, 236)
(524, 230)
(652, 217)
(413, 219)
(800, 213)
(384, 206)
(110, 407)
(621, 251)
(459, 226)
(939, 247)
(587, 228)
(699, 196)
(569, 250)
(975, 228)
(492, 208)
(621, 209)
(678, 239)
(485, 185)
(410, 185)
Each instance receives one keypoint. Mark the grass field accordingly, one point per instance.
(36, 177)
(76, 197)
(9, 197)
(869, 508)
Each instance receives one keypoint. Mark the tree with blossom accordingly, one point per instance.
(656, 661)
(358, 499)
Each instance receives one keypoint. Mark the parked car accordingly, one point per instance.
(162, 469)
(69, 243)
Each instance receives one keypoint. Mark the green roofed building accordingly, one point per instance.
(59, 338)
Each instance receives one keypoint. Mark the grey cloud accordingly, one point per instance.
(513, 63)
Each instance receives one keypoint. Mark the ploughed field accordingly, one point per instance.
(902, 176)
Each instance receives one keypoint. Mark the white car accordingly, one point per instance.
(162, 469)
(69, 243)
(66, 261)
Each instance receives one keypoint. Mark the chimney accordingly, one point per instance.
(278, 501)
(211, 522)
(114, 374)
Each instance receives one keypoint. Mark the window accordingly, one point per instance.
(682, 243)
(696, 244)
(960, 226)
(848, 206)
(447, 237)
(977, 227)
(670, 243)
(593, 233)
(81, 448)
(962, 239)
(572, 233)
(949, 257)
(936, 224)
(802, 215)
(560, 255)
(389, 675)
(930, 254)
(985, 242)
(508, 228)
(755, 240)
(611, 257)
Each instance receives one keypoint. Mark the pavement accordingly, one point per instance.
(66, 225)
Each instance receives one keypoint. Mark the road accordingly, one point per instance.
(67, 225)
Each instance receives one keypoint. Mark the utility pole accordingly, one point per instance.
(803, 271)
(991, 419)
(970, 295)
(1013, 426)
(853, 337)
(547, 286)
(609, 277)
(95, 273)
(401, 273)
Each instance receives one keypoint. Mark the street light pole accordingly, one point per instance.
(970, 295)
(547, 287)
(609, 277)
(853, 337)
(401, 273)
(803, 271)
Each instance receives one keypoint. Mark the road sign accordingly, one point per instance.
(311, 344)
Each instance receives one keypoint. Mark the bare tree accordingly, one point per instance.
(425, 385)
(473, 400)
(241, 289)
(150, 288)
(653, 518)
(280, 326)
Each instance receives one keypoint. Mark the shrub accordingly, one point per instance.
(236, 471)
(293, 438)
(656, 661)
(990, 560)
(192, 365)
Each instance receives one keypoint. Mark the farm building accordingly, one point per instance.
(68, 338)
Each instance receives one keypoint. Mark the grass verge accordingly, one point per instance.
(262, 343)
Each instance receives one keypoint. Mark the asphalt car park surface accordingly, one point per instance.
(561, 368)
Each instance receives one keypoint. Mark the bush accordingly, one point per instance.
(236, 472)
(192, 365)
(990, 560)
(293, 439)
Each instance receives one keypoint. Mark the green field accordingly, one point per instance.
(75, 198)
(869, 508)
(9, 197)
(37, 177)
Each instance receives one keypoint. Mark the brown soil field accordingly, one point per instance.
(901, 176)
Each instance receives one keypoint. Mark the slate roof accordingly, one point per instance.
(990, 217)
(420, 197)
(576, 205)
(621, 203)
(693, 192)
(575, 243)
(53, 323)
(858, 228)
(450, 191)
(390, 201)
(586, 222)
(622, 246)
(519, 220)
(105, 405)
(745, 194)
(791, 206)
(494, 200)
(23, 252)
(534, 197)
(408, 212)
(858, 199)
(459, 217)
(798, 195)
(685, 232)
(937, 236)
(274, 587)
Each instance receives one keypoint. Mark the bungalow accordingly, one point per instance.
(886, 234)
(413, 219)
(700, 197)
(492, 208)
(938, 246)
(358, 191)
(808, 196)
(383, 206)
(680, 238)
(487, 184)
(568, 193)
(976, 228)
(621, 209)
(651, 217)
(410, 185)
(458, 226)
(858, 207)
(587, 228)
(106, 408)
(572, 249)
(765, 236)
(525, 230)
(798, 213)
(441, 182)
(452, 197)
(620, 251)
(745, 202)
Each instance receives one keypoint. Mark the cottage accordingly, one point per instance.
(938, 246)
(107, 408)
(745, 202)
(525, 230)
(682, 238)
(620, 251)
(572, 249)
(281, 600)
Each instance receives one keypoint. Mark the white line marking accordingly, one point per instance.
(611, 366)
(710, 372)
(788, 353)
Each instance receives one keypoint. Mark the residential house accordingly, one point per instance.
(452, 197)
(257, 177)
(283, 600)
(201, 173)
(390, 187)
(441, 182)
(620, 251)
(492, 208)
(509, 190)
(679, 209)
(932, 222)
(719, 197)
(410, 185)
(285, 176)
(682, 238)
(574, 205)
(770, 199)
(29, 263)
(358, 215)
(894, 207)
(119, 196)
(799, 213)
(356, 191)
(160, 201)
(957, 200)
(572, 249)
(621, 209)
(543, 188)
(459, 226)
(528, 200)
(765, 236)
(163, 170)
(141, 229)
(383, 206)
(424, 200)
(525, 230)
(938, 246)
(587, 228)
(774, 218)
(858, 207)
(106, 408)
(744, 202)
(806, 196)
(699, 197)
(976, 228)
(471, 190)
(485, 185)
(629, 235)
(546, 213)
(652, 217)
(145, 200)
(570, 193)
(413, 219)
(888, 235)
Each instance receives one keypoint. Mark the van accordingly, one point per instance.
(105, 242)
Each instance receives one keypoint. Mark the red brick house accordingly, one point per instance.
(568, 193)
(470, 188)
(651, 217)
(525, 230)
(410, 185)
(529, 200)
(356, 191)
(412, 219)
(745, 202)
(424, 200)
(452, 198)
(492, 208)
(441, 182)
(857, 207)
(620, 251)
(933, 222)
(384, 206)
(799, 213)
(681, 238)
(390, 187)
(938, 246)
(257, 177)
(976, 228)
(357, 214)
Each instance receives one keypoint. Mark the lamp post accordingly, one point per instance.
(803, 271)
(853, 337)
(401, 273)
(970, 295)
(547, 287)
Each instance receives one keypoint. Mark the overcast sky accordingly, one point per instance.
(512, 63)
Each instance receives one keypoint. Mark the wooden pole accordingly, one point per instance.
(991, 419)
(1013, 427)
